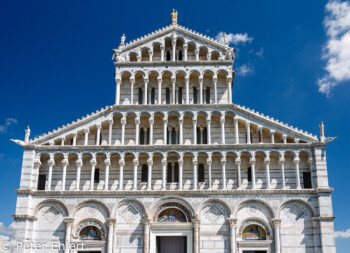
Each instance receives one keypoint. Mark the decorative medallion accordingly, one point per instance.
(91, 209)
(129, 212)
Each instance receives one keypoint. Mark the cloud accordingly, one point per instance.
(8, 122)
(244, 70)
(6, 231)
(238, 38)
(337, 48)
(342, 234)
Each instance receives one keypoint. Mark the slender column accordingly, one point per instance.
(107, 164)
(276, 225)
(173, 82)
(86, 138)
(145, 93)
(146, 222)
(98, 133)
(297, 176)
(187, 81)
(181, 163)
(145, 137)
(195, 130)
(209, 129)
(69, 224)
(132, 82)
(150, 55)
(137, 124)
(196, 224)
(79, 164)
(239, 177)
(174, 49)
(181, 121)
(51, 163)
(123, 121)
(272, 135)
(117, 93)
(233, 227)
(74, 139)
(260, 134)
(64, 173)
(282, 161)
(208, 56)
(162, 49)
(62, 141)
(248, 132)
(200, 90)
(176, 95)
(165, 129)
(284, 138)
(197, 54)
(236, 130)
(195, 179)
(229, 88)
(136, 164)
(92, 176)
(252, 164)
(121, 173)
(215, 80)
(110, 129)
(164, 163)
(185, 51)
(149, 174)
(159, 90)
(111, 227)
(209, 163)
(223, 165)
(267, 168)
(222, 121)
(151, 122)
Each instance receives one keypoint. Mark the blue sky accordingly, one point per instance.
(55, 66)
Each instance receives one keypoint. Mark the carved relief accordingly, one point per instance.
(91, 209)
(295, 212)
(130, 212)
(52, 213)
(214, 212)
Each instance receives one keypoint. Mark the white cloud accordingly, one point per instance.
(238, 38)
(337, 48)
(8, 122)
(342, 234)
(260, 53)
(6, 231)
(244, 70)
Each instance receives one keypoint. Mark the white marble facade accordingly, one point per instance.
(175, 157)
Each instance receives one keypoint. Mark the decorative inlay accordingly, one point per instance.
(296, 212)
(91, 209)
(51, 213)
(129, 212)
(213, 213)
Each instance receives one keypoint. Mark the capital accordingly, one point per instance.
(136, 162)
(93, 162)
(110, 121)
(86, 130)
(181, 162)
(252, 161)
(111, 222)
(121, 162)
(282, 160)
(107, 162)
(65, 162)
(238, 162)
(137, 121)
(51, 162)
(98, 126)
(208, 120)
(276, 222)
(209, 161)
(272, 132)
(132, 80)
(296, 160)
(164, 161)
(151, 121)
(232, 222)
(68, 221)
(267, 161)
(123, 121)
(150, 162)
(222, 120)
(195, 161)
(79, 163)
(223, 161)
(247, 124)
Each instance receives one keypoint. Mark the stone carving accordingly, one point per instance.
(214, 212)
(230, 54)
(92, 209)
(52, 213)
(225, 39)
(174, 15)
(296, 212)
(27, 135)
(122, 40)
(130, 212)
(322, 131)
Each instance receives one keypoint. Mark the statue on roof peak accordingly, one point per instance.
(122, 40)
(174, 15)
(27, 135)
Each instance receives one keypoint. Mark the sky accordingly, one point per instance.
(292, 63)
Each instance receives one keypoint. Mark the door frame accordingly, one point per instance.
(263, 245)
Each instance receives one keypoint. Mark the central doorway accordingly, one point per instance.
(254, 251)
(171, 244)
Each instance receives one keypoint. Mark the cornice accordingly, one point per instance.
(24, 217)
(228, 63)
(323, 218)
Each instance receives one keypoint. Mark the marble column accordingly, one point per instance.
(174, 50)
(137, 130)
(165, 130)
(248, 132)
(159, 79)
(146, 222)
(132, 83)
(195, 178)
(51, 163)
(62, 141)
(181, 120)
(209, 129)
(282, 161)
(164, 164)
(149, 174)
(196, 236)
(79, 164)
(67, 240)
(92, 176)
(297, 175)
(209, 163)
(111, 227)
(197, 54)
(276, 226)
(272, 136)
(200, 79)
(284, 138)
(236, 131)
(181, 163)
(98, 134)
(233, 230)
(162, 49)
(239, 177)
(121, 173)
(223, 165)
(267, 169)
(117, 93)
(136, 164)
(215, 81)
(123, 122)
(64, 172)
(107, 163)
(252, 164)
(110, 129)
(86, 136)
(194, 130)
(74, 139)
(187, 80)
(173, 93)
(222, 121)
(145, 92)
(151, 123)
(229, 88)
(260, 134)
(185, 46)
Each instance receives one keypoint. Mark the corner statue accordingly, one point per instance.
(26, 137)
(174, 17)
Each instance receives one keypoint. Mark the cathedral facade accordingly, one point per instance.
(174, 166)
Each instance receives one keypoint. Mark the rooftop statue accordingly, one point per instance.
(174, 17)
(27, 135)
